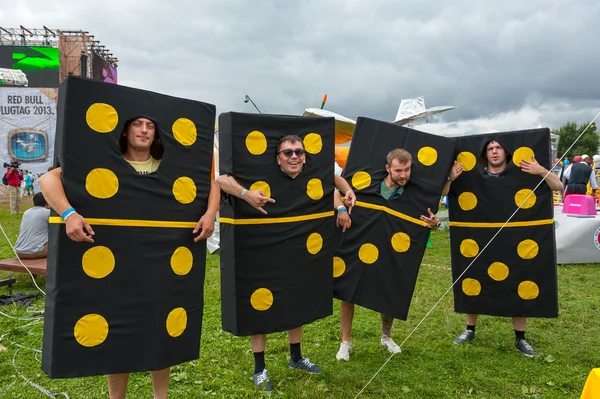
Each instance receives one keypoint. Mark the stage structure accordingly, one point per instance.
(33, 63)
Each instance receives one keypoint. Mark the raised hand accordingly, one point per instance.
(432, 221)
(257, 199)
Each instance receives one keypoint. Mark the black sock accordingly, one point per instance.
(472, 328)
(295, 352)
(259, 362)
(519, 335)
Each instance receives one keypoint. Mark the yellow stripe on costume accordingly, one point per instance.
(289, 219)
(131, 223)
(495, 225)
(391, 212)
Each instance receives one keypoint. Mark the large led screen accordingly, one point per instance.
(102, 71)
(27, 66)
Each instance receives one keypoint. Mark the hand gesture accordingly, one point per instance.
(343, 221)
(432, 221)
(257, 199)
(207, 225)
(78, 229)
(349, 200)
(532, 167)
(455, 170)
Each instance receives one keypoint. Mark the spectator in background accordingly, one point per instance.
(578, 176)
(14, 179)
(33, 233)
(28, 187)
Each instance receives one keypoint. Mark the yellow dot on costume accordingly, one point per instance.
(263, 186)
(314, 189)
(467, 201)
(467, 159)
(528, 249)
(400, 242)
(528, 290)
(471, 287)
(339, 266)
(361, 180)
(261, 299)
(427, 156)
(522, 200)
(176, 322)
(91, 330)
(101, 183)
(314, 243)
(102, 118)
(469, 248)
(313, 143)
(256, 142)
(182, 261)
(522, 153)
(98, 262)
(498, 271)
(368, 253)
(184, 190)
(184, 131)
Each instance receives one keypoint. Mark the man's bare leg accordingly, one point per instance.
(258, 342)
(519, 323)
(260, 378)
(471, 319)
(117, 385)
(386, 325)
(386, 331)
(346, 317)
(160, 383)
(295, 335)
(297, 361)
(469, 333)
(520, 343)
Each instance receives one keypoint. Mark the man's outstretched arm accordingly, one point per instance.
(255, 198)
(52, 187)
(534, 168)
(207, 221)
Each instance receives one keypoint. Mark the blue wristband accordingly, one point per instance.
(67, 213)
(342, 210)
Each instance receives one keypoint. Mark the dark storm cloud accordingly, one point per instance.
(529, 61)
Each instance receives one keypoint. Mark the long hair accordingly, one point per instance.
(156, 148)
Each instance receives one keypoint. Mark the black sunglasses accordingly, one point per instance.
(288, 153)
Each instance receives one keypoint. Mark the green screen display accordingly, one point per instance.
(39, 65)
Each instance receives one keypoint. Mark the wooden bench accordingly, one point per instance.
(36, 266)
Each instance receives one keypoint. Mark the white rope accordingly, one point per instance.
(40, 388)
(20, 261)
(476, 257)
(19, 318)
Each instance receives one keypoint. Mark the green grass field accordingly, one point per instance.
(430, 365)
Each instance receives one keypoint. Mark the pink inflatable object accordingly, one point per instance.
(579, 205)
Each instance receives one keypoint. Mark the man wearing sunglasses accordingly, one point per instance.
(291, 158)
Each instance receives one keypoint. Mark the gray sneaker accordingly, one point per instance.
(305, 365)
(466, 336)
(524, 347)
(261, 380)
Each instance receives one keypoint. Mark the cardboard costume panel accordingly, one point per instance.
(132, 300)
(276, 268)
(516, 274)
(378, 259)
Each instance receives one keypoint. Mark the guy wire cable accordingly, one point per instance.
(473, 261)
(20, 261)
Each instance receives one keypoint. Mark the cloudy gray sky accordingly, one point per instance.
(506, 65)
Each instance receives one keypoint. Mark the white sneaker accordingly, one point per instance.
(390, 345)
(345, 351)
